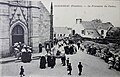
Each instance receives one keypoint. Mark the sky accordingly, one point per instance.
(66, 11)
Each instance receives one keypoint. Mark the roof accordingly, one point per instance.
(61, 30)
(87, 25)
(94, 35)
(105, 26)
(114, 29)
(41, 5)
(90, 24)
(96, 25)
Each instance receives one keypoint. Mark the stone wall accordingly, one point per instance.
(41, 25)
(4, 31)
(45, 23)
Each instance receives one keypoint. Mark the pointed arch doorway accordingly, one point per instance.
(17, 34)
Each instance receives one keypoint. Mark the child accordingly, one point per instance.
(80, 68)
(67, 61)
(22, 71)
(69, 69)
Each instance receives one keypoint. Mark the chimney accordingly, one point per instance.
(80, 20)
(76, 21)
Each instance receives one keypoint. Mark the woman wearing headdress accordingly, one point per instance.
(43, 62)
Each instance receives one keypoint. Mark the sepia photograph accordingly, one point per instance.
(59, 38)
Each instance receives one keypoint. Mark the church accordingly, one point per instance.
(24, 21)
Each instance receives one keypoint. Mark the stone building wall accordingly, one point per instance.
(41, 25)
(4, 30)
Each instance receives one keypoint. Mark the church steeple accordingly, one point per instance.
(51, 8)
(51, 22)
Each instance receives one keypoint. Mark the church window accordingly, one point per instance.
(102, 32)
(83, 32)
(88, 33)
(60, 35)
(54, 35)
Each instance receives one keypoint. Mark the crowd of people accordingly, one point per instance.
(22, 51)
(50, 61)
(107, 54)
(60, 49)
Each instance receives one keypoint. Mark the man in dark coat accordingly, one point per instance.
(67, 61)
(52, 62)
(69, 69)
(89, 50)
(42, 62)
(48, 60)
(78, 44)
(80, 68)
(22, 71)
(47, 47)
(119, 63)
(93, 50)
(40, 48)
(71, 50)
(63, 59)
(66, 49)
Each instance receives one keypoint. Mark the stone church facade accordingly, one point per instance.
(23, 21)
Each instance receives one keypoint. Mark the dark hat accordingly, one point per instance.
(21, 66)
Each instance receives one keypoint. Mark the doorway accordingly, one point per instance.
(17, 34)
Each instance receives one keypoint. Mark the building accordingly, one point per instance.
(62, 32)
(113, 33)
(103, 28)
(91, 29)
(23, 21)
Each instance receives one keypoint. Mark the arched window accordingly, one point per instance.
(57, 34)
(73, 32)
(60, 35)
(54, 35)
(82, 32)
(102, 32)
